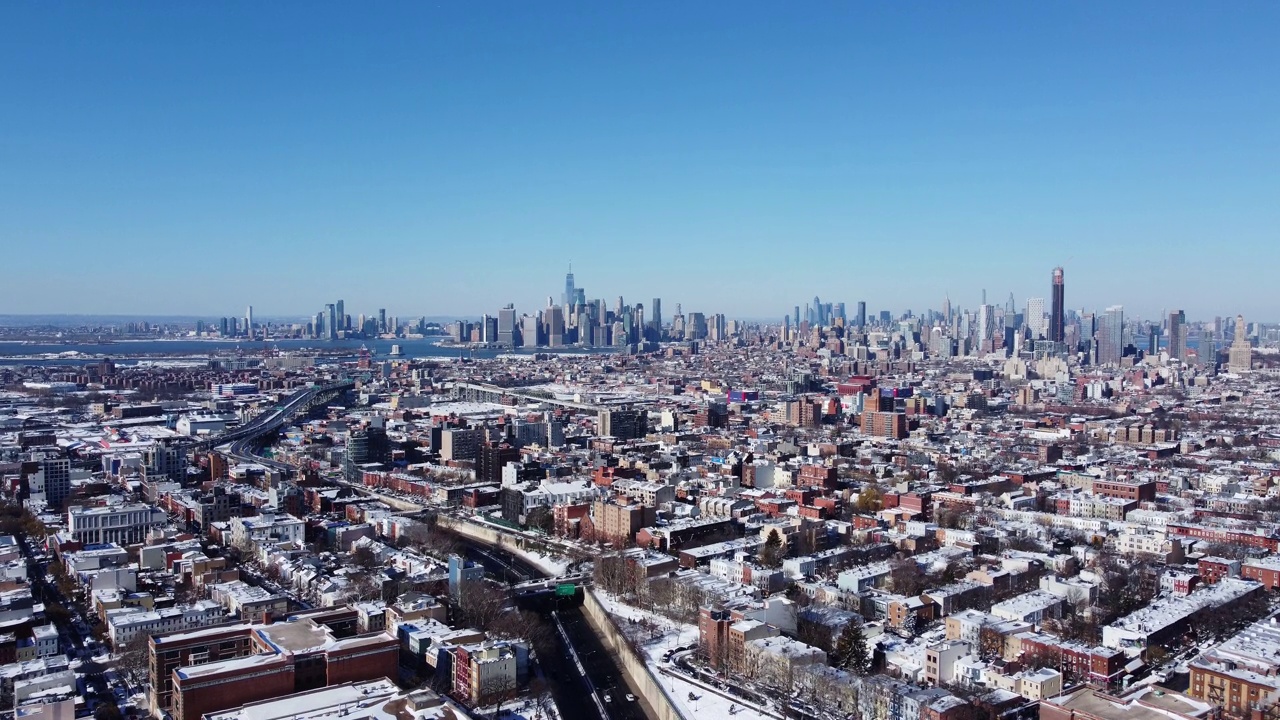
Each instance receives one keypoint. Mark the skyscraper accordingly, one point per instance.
(555, 326)
(570, 295)
(1178, 335)
(529, 331)
(340, 309)
(248, 319)
(657, 319)
(331, 321)
(507, 326)
(1240, 357)
(1035, 317)
(1057, 316)
(796, 316)
(1110, 336)
(382, 320)
(862, 314)
(986, 324)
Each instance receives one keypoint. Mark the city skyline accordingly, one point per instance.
(735, 160)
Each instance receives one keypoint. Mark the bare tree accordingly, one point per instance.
(132, 659)
(905, 577)
(543, 702)
(480, 604)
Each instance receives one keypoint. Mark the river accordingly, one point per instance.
(129, 352)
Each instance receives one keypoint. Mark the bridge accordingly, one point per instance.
(241, 443)
(483, 392)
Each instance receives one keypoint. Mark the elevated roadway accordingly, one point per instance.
(242, 443)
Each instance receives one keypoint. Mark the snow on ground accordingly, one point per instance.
(525, 707)
(549, 564)
(661, 636)
(696, 701)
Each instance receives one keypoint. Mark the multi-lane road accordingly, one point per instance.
(585, 678)
(242, 442)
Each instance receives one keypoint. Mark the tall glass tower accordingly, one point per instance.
(569, 293)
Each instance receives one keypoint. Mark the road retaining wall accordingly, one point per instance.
(639, 675)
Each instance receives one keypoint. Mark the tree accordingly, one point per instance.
(364, 585)
(851, 649)
(990, 644)
(364, 558)
(499, 690)
(870, 500)
(811, 632)
(133, 657)
(524, 625)
(906, 577)
(613, 574)
(540, 518)
(771, 554)
(543, 702)
(107, 711)
(479, 604)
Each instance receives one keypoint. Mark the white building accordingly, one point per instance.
(125, 624)
(193, 425)
(266, 528)
(1029, 607)
(46, 638)
(778, 661)
(1036, 320)
(121, 524)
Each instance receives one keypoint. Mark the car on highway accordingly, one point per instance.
(631, 698)
(608, 698)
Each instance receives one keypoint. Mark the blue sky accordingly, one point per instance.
(737, 157)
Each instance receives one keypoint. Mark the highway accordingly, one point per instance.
(242, 442)
(585, 678)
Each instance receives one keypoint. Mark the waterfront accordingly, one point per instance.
(128, 352)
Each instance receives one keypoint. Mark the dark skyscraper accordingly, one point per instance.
(657, 319)
(1057, 326)
(862, 314)
(1178, 335)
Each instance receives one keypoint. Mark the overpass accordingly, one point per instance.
(241, 443)
(483, 392)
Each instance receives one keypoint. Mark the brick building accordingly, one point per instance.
(884, 424)
(617, 521)
(1264, 570)
(205, 671)
(816, 476)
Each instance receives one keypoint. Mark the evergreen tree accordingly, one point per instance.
(851, 650)
(771, 554)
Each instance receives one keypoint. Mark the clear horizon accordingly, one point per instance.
(732, 157)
